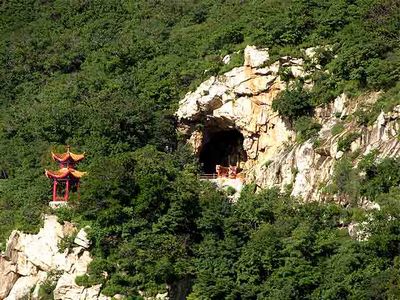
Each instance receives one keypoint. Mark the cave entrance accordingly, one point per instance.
(223, 148)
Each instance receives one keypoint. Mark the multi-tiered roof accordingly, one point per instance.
(67, 176)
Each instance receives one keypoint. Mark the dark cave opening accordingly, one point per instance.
(223, 148)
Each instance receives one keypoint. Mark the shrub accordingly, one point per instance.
(325, 88)
(285, 73)
(231, 35)
(317, 143)
(346, 183)
(368, 115)
(230, 191)
(293, 103)
(46, 290)
(365, 117)
(368, 161)
(324, 55)
(383, 73)
(337, 128)
(47, 287)
(199, 14)
(67, 242)
(380, 177)
(306, 128)
(82, 280)
(237, 59)
(268, 163)
(344, 143)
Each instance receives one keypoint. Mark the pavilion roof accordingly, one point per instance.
(63, 157)
(64, 172)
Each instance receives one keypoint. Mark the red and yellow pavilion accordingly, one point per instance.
(66, 179)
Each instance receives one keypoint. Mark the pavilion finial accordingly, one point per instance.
(68, 148)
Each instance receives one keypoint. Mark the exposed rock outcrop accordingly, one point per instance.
(242, 99)
(308, 167)
(30, 260)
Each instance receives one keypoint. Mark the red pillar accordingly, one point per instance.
(66, 190)
(77, 191)
(54, 190)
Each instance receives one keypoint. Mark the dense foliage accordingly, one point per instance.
(105, 77)
(168, 229)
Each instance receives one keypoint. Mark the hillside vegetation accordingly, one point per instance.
(106, 77)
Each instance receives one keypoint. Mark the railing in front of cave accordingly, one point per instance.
(208, 176)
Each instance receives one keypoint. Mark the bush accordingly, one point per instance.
(365, 116)
(67, 242)
(82, 280)
(317, 143)
(47, 287)
(268, 163)
(228, 37)
(368, 161)
(346, 182)
(306, 128)
(286, 74)
(337, 128)
(237, 60)
(199, 15)
(293, 103)
(380, 176)
(344, 143)
(230, 191)
(325, 88)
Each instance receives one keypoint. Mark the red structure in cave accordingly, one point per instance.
(222, 154)
(66, 179)
(229, 172)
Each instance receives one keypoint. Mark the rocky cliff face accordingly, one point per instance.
(34, 261)
(308, 167)
(241, 99)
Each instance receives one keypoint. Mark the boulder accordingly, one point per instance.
(30, 259)
(339, 105)
(339, 154)
(23, 286)
(81, 239)
(67, 289)
(92, 293)
(8, 276)
(227, 59)
(254, 57)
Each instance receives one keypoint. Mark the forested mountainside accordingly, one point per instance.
(106, 77)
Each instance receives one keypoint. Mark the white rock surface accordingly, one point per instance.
(66, 288)
(339, 154)
(339, 105)
(24, 284)
(31, 259)
(8, 276)
(314, 168)
(81, 239)
(227, 59)
(254, 57)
